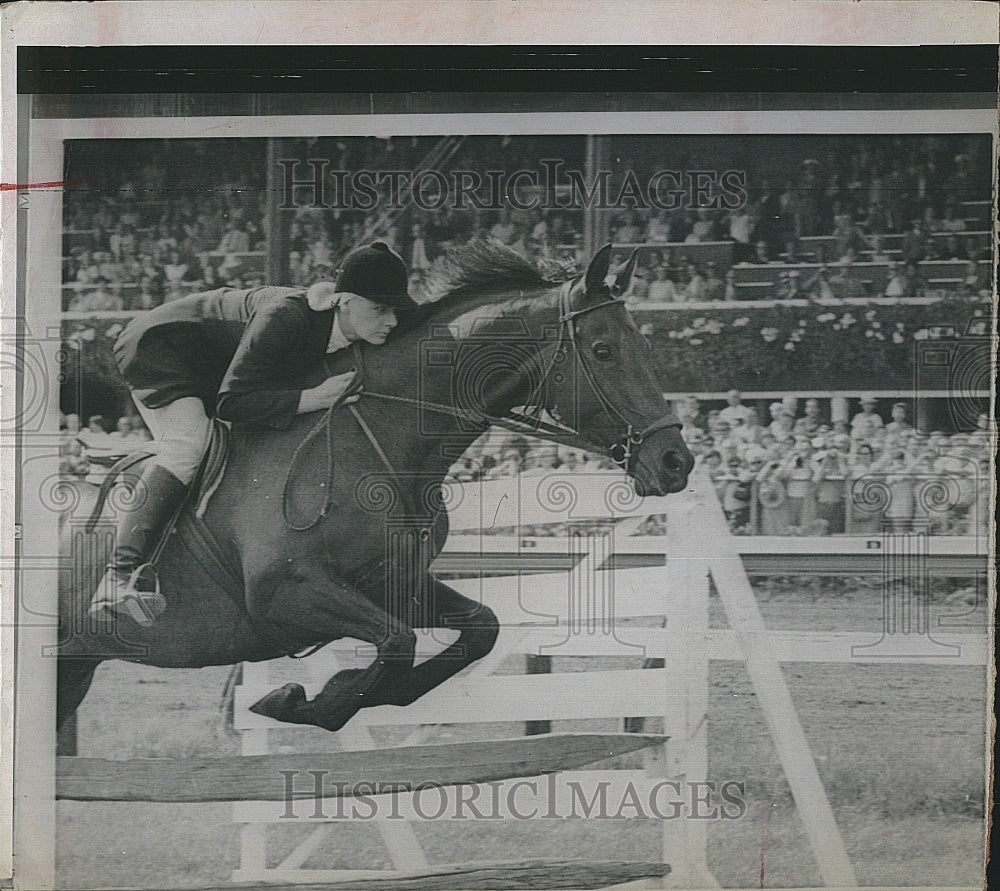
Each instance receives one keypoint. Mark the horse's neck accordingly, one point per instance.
(476, 326)
(420, 371)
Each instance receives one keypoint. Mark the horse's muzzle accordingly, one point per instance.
(662, 464)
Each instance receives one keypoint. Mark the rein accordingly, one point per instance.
(531, 424)
(325, 424)
(621, 453)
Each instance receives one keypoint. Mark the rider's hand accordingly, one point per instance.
(327, 393)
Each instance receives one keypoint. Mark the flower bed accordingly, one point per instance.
(793, 347)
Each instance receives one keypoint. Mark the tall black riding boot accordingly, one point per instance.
(158, 495)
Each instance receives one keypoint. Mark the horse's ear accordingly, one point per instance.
(597, 271)
(623, 274)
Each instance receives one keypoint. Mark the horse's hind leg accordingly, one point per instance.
(74, 677)
(347, 692)
(391, 679)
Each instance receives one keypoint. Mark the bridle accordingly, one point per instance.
(622, 453)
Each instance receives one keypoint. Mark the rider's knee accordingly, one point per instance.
(182, 454)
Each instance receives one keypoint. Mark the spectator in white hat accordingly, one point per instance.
(735, 412)
(862, 473)
(689, 411)
(867, 421)
(782, 421)
(897, 467)
(810, 422)
(750, 431)
(662, 289)
(830, 470)
(898, 423)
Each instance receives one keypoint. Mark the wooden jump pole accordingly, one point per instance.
(685, 847)
(336, 774)
(526, 875)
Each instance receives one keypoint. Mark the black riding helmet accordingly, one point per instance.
(377, 272)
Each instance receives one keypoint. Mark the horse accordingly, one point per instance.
(328, 529)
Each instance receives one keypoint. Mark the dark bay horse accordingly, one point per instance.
(330, 526)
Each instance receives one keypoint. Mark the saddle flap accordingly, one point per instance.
(213, 467)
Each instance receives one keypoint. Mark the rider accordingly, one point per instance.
(244, 353)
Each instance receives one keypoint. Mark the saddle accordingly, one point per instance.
(207, 480)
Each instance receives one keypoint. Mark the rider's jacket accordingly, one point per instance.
(244, 353)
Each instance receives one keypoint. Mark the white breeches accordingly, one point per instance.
(181, 432)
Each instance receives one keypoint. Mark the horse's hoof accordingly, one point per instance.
(333, 721)
(281, 704)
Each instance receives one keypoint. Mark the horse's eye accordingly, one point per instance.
(602, 351)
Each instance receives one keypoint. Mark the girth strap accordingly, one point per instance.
(223, 572)
(200, 543)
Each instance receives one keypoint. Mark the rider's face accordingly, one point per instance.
(372, 321)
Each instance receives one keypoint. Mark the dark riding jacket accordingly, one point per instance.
(244, 353)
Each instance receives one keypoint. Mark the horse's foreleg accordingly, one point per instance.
(73, 681)
(478, 628)
(335, 613)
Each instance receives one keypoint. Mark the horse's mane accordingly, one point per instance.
(483, 265)
(478, 268)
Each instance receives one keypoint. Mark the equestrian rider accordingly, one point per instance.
(243, 355)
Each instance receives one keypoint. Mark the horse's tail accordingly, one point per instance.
(116, 470)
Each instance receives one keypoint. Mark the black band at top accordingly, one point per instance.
(407, 69)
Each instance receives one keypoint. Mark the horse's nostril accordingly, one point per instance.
(672, 462)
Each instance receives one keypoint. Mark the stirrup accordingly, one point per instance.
(143, 607)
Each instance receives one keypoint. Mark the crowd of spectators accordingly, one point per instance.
(860, 202)
(536, 234)
(138, 267)
(157, 220)
(80, 444)
(670, 275)
(169, 224)
(800, 473)
(497, 454)
(157, 226)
